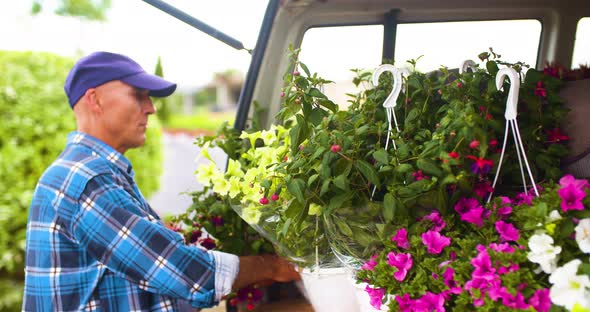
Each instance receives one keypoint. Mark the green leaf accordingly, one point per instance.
(305, 69)
(338, 200)
(293, 208)
(312, 179)
(341, 182)
(297, 188)
(328, 104)
(381, 156)
(325, 187)
(315, 92)
(343, 227)
(388, 207)
(429, 167)
(492, 68)
(367, 171)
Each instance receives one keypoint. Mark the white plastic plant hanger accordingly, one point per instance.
(391, 100)
(467, 64)
(510, 115)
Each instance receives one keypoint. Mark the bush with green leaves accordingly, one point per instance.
(35, 122)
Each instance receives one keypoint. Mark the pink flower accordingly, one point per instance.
(418, 175)
(515, 301)
(274, 197)
(436, 219)
(370, 265)
(402, 262)
(466, 204)
(571, 198)
(474, 144)
(263, 201)
(454, 155)
(401, 238)
(435, 242)
(449, 280)
(404, 302)
(483, 266)
(569, 179)
(474, 216)
(503, 247)
(540, 90)
(524, 198)
(376, 296)
(556, 136)
(510, 268)
(507, 231)
(430, 302)
(482, 189)
(540, 301)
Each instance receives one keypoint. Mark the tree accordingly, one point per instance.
(93, 10)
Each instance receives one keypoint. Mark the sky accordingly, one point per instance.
(143, 32)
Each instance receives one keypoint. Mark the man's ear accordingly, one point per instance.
(92, 101)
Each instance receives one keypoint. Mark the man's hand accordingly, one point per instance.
(262, 268)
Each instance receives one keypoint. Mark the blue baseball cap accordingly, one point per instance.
(101, 67)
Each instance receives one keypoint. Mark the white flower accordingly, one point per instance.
(553, 216)
(583, 235)
(543, 252)
(569, 288)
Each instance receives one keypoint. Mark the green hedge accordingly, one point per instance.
(35, 119)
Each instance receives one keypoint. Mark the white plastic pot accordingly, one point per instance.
(329, 290)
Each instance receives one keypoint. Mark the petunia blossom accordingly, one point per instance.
(540, 300)
(375, 296)
(543, 252)
(569, 179)
(401, 238)
(480, 165)
(435, 242)
(507, 231)
(503, 247)
(370, 265)
(569, 288)
(402, 262)
(436, 219)
(583, 235)
(571, 198)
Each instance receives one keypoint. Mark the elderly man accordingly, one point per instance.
(93, 242)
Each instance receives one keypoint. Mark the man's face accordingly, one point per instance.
(124, 117)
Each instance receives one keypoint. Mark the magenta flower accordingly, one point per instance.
(482, 189)
(402, 262)
(418, 175)
(449, 280)
(568, 179)
(523, 198)
(217, 220)
(515, 301)
(540, 301)
(503, 247)
(571, 198)
(507, 231)
(466, 204)
(401, 238)
(540, 90)
(436, 219)
(435, 242)
(474, 216)
(405, 303)
(556, 136)
(483, 266)
(376, 296)
(507, 269)
(430, 302)
(370, 265)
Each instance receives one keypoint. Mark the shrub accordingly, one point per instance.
(35, 122)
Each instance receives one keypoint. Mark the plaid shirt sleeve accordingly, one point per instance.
(144, 251)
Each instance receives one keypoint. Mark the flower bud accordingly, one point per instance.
(282, 94)
(263, 201)
(275, 197)
(474, 144)
(296, 73)
(335, 148)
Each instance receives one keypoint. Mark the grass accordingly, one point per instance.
(202, 120)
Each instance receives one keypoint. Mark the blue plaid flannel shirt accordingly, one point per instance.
(94, 243)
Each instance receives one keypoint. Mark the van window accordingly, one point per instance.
(450, 43)
(582, 45)
(333, 51)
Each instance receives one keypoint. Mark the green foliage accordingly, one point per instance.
(35, 121)
(202, 120)
(94, 10)
(163, 109)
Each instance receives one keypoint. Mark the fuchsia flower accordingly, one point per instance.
(507, 231)
(376, 296)
(430, 302)
(370, 265)
(217, 220)
(402, 262)
(437, 221)
(540, 90)
(208, 243)
(404, 302)
(449, 280)
(540, 301)
(435, 242)
(483, 188)
(483, 265)
(418, 175)
(401, 238)
(569, 179)
(454, 155)
(556, 136)
(480, 165)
